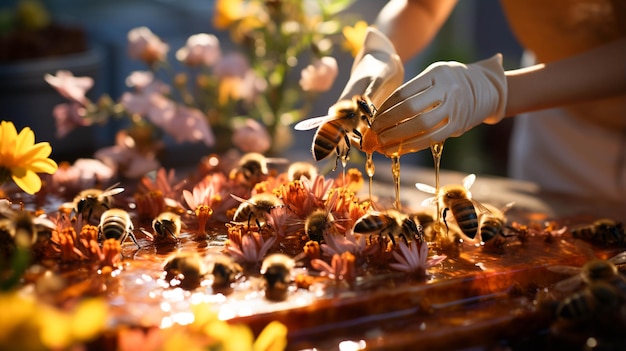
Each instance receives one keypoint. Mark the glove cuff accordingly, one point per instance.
(494, 73)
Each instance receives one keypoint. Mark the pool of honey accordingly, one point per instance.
(479, 297)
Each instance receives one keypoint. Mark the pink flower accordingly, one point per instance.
(69, 116)
(163, 181)
(83, 174)
(413, 261)
(319, 76)
(126, 159)
(149, 97)
(232, 64)
(70, 87)
(187, 124)
(200, 49)
(338, 244)
(341, 267)
(252, 137)
(253, 247)
(146, 46)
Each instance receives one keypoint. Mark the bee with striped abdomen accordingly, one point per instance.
(456, 199)
(116, 223)
(389, 223)
(345, 119)
(603, 231)
(257, 207)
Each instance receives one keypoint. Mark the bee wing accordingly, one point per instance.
(147, 234)
(431, 201)
(111, 192)
(240, 199)
(469, 180)
(311, 123)
(276, 160)
(426, 188)
(569, 284)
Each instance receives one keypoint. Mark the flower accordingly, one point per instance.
(215, 90)
(146, 46)
(21, 158)
(70, 87)
(252, 137)
(413, 261)
(320, 75)
(355, 36)
(200, 49)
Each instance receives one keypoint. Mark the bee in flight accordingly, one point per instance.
(345, 119)
(391, 223)
(457, 199)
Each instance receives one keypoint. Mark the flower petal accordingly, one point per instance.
(26, 179)
(44, 165)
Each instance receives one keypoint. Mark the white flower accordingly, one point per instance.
(320, 75)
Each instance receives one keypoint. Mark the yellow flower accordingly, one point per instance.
(226, 13)
(355, 36)
(22, 159)
(272, 338)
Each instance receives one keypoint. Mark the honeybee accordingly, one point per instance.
(596, 299)
(391, 223)
(458, 200)
(257, 207)
(186, 269)
(317, 223)
(594, 270)
(345, 119)
(91, 202)
(492, 222)
(299, 169)
(116, 223)
(277, 269)
(167, 224)
(225, 271)
(253, 167)
(20, 227)
(602, 231)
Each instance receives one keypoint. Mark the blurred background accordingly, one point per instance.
(476, 30)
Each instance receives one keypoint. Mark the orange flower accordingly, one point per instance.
(22, 159)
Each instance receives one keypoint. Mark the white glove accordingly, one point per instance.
(446, 99)
(377, 70)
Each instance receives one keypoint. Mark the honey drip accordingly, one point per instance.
(437, 149)
(395, 171)
(370, 168)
